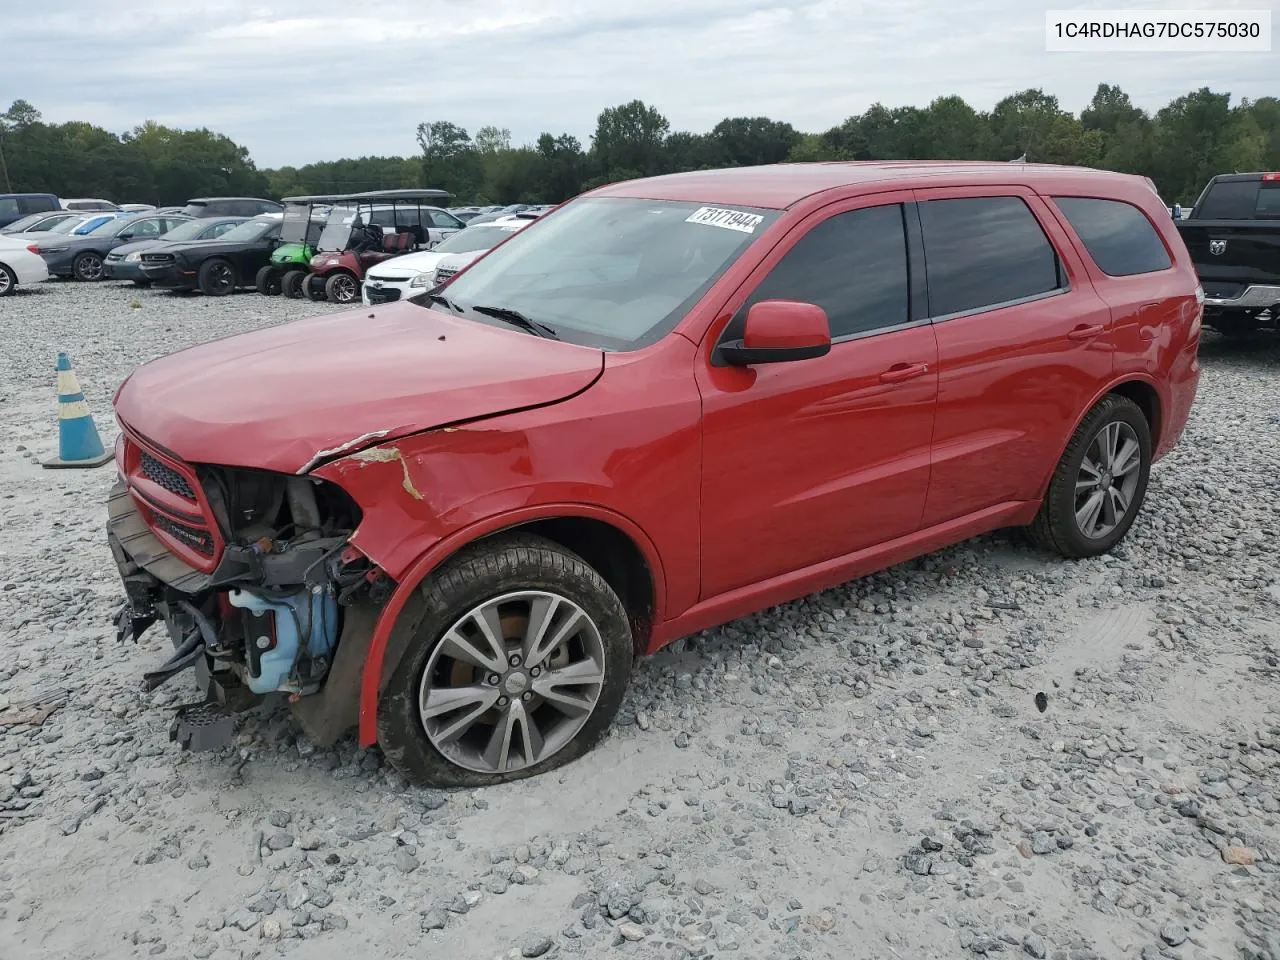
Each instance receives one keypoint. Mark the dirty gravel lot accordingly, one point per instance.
(861, 774)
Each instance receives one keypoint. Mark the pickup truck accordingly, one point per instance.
(1233, 235)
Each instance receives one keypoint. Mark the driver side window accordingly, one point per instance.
(853, 265)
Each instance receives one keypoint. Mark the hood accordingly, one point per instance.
(456, 261)
(290, 397)
(198, 246)
(407, 264)
(136, 246)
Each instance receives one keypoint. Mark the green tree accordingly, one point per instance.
(745, 141)
(629, 139)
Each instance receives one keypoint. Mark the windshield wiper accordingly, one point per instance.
(444, 301)
(518, 319)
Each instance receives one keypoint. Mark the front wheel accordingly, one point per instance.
(342, 288)
(217, 278)
(8, 281)
(1100, 482)
(268, 281)
(291, 283)
(516, 666)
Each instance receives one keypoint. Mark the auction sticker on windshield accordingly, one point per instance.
(728, 219)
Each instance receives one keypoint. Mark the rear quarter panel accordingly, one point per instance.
(1155, 316)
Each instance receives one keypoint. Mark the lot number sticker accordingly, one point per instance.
(728, 219)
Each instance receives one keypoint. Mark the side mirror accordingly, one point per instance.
(126, 235)
(777, 331)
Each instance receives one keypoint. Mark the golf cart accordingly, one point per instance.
(367, 228)
(304, 219)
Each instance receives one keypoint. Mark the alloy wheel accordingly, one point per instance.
(6, 282)
(512, 682)
(1108, 479)
(222, 277)
(89, 267)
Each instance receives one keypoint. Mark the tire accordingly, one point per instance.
(510, 568)
(313, 288)
(87, 267)
(217, 278)
(1057, 526)
(144, 284)
(8, 281)
(342, 288)
(268, 281)
(291, 283)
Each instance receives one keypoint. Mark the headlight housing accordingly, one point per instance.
(423, 279)
(133, 257)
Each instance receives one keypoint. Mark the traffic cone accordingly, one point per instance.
(78, 442)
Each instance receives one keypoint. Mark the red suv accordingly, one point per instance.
(671, 402)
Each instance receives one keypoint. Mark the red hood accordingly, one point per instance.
(287, 397)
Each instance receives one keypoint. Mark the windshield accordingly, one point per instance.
(337, 230)
(66, 226)
(297, 218)
(472, 239)
(19, 225)
(190, 230)
(615, 273)
(111, 227)
(248, 231)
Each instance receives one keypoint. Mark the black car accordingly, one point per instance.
(230, 207)
(125, 261)
(215, 267)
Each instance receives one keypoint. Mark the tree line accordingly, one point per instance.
(1179, 146)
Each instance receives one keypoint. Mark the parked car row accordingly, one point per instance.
(18, 206)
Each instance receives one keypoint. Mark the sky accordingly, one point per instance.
(324, 79)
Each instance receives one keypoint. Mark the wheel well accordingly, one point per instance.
(614, 555)
(1148, 401)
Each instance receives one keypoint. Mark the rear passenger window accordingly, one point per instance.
(1268, 201)
(853, 265)
(1117, 235)
(984, 251)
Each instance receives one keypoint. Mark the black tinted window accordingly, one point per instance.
(1230, 200)
(37, 204)
(1117, 235)
(983, 251)
(853, 265)
(1268, 201)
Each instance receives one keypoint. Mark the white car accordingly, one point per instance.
(415, 273)
(19, 265)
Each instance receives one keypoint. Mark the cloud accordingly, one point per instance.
(302, 82)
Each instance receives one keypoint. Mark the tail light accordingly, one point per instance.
(1271, 176)
(33, 248)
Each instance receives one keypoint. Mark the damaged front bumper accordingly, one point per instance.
(270, 617)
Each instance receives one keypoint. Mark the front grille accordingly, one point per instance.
(198, 540)
(158, 257)
(383, 296)
(394, 279)
(167, 477)
(444, 273)
(170, 502)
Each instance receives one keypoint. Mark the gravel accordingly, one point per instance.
(984, 751)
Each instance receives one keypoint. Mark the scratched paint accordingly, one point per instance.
(390, 455)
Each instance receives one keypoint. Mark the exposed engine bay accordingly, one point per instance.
(266, 614)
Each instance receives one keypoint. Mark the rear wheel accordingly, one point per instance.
(518, 661)
(342, 288)
(87, 267)
(1100, 482)
(291, 283)
(8, 281)
(217, 278)
(313, 287)
(268, 281)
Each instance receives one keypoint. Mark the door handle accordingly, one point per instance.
(1086, 332)
(904, 371)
